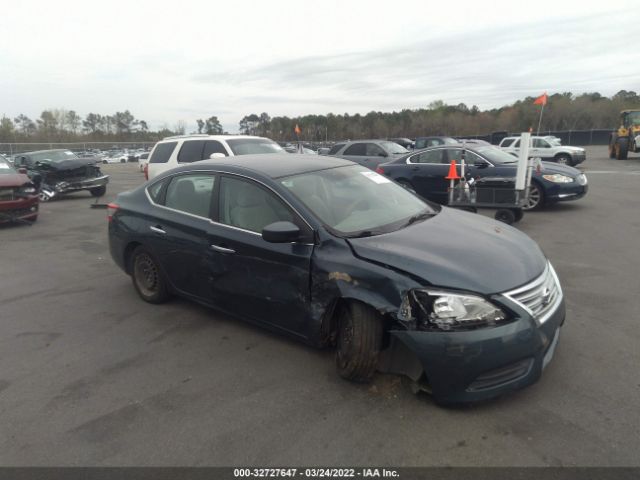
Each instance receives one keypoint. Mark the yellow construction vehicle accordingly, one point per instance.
(627, 137)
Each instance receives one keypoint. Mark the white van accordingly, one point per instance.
(171, 152)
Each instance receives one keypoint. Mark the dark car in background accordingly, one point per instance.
(18, 195)
(332, 253)
(369, 153)
(424, 172)
(425, 142)
(56, 172)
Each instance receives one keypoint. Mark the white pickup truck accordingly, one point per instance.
(547, 149)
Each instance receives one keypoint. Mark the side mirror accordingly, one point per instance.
(22, 170)
(281, 232)
(217, 155)
(480, 164)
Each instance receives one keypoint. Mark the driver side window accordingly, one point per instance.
(374, 150)
(246, 205)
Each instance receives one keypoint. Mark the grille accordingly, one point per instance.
(541, 297)
(7, 194)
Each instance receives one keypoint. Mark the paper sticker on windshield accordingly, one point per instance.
(375, 177)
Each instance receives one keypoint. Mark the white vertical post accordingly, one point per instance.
(523, 155)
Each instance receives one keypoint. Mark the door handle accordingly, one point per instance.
(222, 249)
(157, 230)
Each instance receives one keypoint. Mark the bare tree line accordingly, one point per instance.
(564, 111)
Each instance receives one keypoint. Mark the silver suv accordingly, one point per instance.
(547, 149)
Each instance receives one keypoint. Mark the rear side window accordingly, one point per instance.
(211, 147)
(191, 194)
(191, 151)
(356, 149)
(162, 152)
(430, 156)
(335, 148)
(507, 142)
(155, 190)
(374, 150)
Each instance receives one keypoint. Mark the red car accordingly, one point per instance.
(18, 195)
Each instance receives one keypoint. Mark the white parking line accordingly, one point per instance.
(627, 172)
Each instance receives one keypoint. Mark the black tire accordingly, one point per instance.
(98, 191)
(612, 147)
(407, 185)
(564, 159)
(622, 148)
(506, 216)
(359, 342)
(122, 160)
(535, 200)
(147, 276)
(518, 214)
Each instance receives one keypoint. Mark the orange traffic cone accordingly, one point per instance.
(453, 172)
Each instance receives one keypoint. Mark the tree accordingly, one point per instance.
(249, 123)
(92, 123)
(48, 124)
(6, 129)
(200, 123)
(180, 127)
(73, 121)
(213, 126)
(25, 124)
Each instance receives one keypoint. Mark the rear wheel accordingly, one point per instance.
(98, 191)
(359, 342)
(147, 277)
(518, 214)
(564, 159)
(505, 216)
(622, 148)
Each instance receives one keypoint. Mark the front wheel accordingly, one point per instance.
(359, 342)
(612, 147)
(147, 277)
(505, 216)
(98, 191)
(622, 148)
(535, 200)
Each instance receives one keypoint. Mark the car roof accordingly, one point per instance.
(204, 136)
(43, 151)
(274, 165)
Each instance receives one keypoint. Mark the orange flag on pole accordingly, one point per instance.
(541, 100)
(297, 129)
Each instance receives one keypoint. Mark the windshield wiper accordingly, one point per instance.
(364, 233)
(418, 217)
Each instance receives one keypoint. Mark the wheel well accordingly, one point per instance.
(329, 328)
(128, 251)
(562, 154)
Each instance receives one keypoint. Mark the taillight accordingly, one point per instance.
(111, 210)
(380, 170)
(146, 171)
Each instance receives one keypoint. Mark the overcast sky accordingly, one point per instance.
(187, 60)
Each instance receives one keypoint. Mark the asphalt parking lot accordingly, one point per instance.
(92, 375)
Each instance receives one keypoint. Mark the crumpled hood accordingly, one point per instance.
(552, 167)
(459, 250)
(65, 164)
(13, 180)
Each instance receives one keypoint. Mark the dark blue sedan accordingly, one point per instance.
(424, 172)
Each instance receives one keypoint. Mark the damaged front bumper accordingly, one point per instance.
(75, 185)
(19, 210)
(475, 365)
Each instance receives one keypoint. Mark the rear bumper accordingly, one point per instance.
(463, 367)
(16, 210)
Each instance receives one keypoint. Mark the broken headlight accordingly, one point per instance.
(449, 310)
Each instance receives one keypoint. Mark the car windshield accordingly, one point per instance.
(248, 146)
(354, 201)
(5, 168)
(393, 148)
(634, 118)
(495, 155)
(53, 156)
